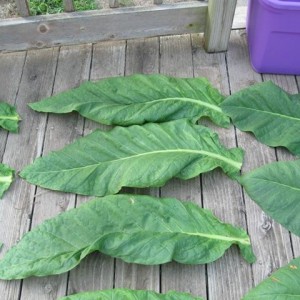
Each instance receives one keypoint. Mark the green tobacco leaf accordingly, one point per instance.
(125, 294)
(137, 156)
(276, 189)
(269, 112)
(137, 229)
(138, 99)
(6, 178)
(9, 118)
(284, 284)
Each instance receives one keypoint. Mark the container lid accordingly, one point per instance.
(283, 4)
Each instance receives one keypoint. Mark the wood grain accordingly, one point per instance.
(108, 60)
(219, 24)
(60, 131)
(69, 5)
(289, 84)
(142, 56)
(16, 206)
(270, 241)
(11, 66)
(23, 8)
(220, 194)
(100, 25)
(176, 60)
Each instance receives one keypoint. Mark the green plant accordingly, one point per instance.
(269, 112)
(136, 156)
(9, 117)
(42, 7)
(281, 285)
(137, 229)
(6, 178)
(276, 189)
(138, 99)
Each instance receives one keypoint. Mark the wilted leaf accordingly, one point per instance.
(138, 99)
(276, 189)
(137, 156)
(137, 229)
(269, 112)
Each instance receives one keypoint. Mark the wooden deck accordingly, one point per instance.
(30, 76)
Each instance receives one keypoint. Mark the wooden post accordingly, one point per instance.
(69, 6)
(23, 8)
(218, 25)
(113, 3)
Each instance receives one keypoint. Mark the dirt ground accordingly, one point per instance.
(8, 8)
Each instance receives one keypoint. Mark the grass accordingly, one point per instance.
(43, 7)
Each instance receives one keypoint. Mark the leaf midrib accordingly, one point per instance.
(5, 179)
(198, 102)
(235, 164)
(267, 112)
(244, 241)
(12, 118)
(278, 183)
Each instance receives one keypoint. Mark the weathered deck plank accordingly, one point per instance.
(179, 56)
(221, 194)
(98, 270)
(16, 207)
(176, 60)
(11, 66)
(60, 130)
(142, 56)
(264, 231)
(289, 84)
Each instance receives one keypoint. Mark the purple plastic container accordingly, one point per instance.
(273, 33)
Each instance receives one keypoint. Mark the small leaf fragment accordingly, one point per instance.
(6, 178)
(126, 294)
(9, 117)
(275, 188)
(137, 229)
(284, 284)
(136, 156)
(269, 112)
(140, 99)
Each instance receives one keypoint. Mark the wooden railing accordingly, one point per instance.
(213, 17)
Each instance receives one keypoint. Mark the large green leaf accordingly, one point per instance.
(138, 99)
(269, 112)
(276, 189)
(125, 294)
(137, 229)
(284, 284)
(6, 178)
(136, 156)
(9, 118)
